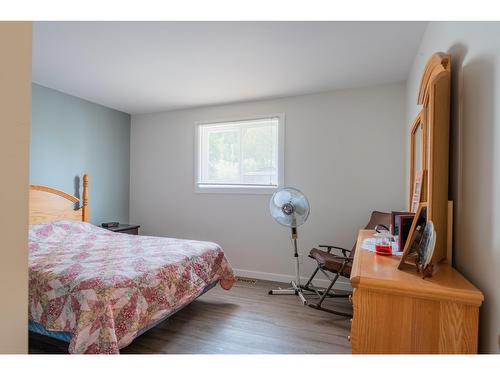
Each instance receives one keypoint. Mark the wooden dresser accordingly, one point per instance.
(396, 311)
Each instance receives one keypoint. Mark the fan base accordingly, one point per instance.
(294, 289)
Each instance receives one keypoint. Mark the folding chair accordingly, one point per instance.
(334, 265)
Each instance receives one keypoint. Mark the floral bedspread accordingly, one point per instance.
(104, 287)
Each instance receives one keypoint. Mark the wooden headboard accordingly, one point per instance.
(48, 204)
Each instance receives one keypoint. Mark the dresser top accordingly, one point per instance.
(381, 273)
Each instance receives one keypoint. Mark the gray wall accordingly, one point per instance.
(343, 149)
(70, 137)
(475, 159)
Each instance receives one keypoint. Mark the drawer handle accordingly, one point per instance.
(349, 338)
(350, 298)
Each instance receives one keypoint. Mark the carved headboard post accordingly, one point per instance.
(48, 204)
(85, 207)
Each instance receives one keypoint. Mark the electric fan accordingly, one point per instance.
(290, 208)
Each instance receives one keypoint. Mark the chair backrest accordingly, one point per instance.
(376, 218)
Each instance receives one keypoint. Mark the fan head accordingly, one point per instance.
(289, 207)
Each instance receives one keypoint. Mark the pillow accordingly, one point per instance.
(47, 232)
(56, 230)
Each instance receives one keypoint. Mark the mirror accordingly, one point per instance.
(418, 160)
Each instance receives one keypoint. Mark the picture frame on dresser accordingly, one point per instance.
(412, 244)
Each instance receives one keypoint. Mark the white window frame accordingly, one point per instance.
(240, 189)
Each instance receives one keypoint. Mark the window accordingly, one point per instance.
(240, 156)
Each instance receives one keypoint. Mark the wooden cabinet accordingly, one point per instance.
(396, 311)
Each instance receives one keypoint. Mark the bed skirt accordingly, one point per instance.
(66, 336)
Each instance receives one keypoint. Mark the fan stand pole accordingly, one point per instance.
(295, 288)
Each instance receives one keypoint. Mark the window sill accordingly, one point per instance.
(235, 189)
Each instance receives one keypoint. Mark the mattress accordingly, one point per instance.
(100, 289)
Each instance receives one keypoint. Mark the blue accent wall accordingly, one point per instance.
(71, 136)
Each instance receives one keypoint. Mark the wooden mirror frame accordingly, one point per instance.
(47, 204)
(434, 97)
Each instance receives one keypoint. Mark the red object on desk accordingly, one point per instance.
(383, 249)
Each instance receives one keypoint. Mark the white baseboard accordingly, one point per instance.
(340, 284)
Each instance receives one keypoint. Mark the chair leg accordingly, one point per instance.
(311, 288)
(311, 278)
(347, 315)
(325, 294)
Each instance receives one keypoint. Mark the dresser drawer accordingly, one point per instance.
(353, 335)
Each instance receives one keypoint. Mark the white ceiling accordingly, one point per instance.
(140, 67)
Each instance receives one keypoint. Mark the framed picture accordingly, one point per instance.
(394, 214)
(412, 245)
(403, 225)
(417, 190)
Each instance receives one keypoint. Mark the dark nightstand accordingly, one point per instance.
(125, 228)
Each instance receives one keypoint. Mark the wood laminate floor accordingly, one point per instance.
(244, 320)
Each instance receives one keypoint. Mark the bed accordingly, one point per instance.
(97, 289)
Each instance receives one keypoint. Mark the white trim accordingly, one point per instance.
(240, 189)
(323, 283)
(235, 189)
